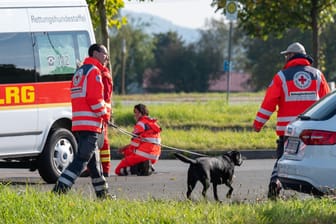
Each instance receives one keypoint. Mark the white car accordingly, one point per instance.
(308, 164)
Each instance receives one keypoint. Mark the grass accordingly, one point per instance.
(31, 206)
(198, 121)
(189, 121)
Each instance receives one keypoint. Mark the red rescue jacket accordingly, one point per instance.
(88, 105)
(147, 144)
(108, 89)
(291, 91)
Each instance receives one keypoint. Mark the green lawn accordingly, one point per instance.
(30, 206)
(189, 121)
(198, 121)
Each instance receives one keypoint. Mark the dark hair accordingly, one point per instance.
(95, 47)
(142, 109)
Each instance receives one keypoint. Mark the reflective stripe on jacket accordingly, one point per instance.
(291, 92)
(88, 105)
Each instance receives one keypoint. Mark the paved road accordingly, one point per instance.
(169, 182)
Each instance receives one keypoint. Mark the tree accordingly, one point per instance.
(261, 18)
(215, 38)
(188, 68)
(170, 64)
(264, 58)
(104, 15)
(328, 42)
(139, 56)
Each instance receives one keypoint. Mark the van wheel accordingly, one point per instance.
(57, 154)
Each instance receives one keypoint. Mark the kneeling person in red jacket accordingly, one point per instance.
(144, 150)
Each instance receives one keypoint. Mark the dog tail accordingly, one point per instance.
(185, 159)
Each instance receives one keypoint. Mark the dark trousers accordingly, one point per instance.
(279, 152)
(87, 155)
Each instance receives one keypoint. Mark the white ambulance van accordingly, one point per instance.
(41, 42)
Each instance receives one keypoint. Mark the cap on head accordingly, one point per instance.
(294, 48)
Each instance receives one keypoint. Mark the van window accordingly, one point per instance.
(83, 45)
(42, 56)
(58, 54)
(16, 58)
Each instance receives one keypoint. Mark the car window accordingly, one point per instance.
(323, 109)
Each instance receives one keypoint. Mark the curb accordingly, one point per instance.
(247, 154)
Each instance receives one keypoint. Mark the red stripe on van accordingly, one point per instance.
(35, 93)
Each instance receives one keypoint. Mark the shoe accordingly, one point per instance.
(85, 173)
(111, 197)
(134, 169)
(60, 188)
(274, 190)
(145, 168)
(106, 174)
(104, 195)
(152, 168)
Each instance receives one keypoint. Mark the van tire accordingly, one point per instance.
(58, 153)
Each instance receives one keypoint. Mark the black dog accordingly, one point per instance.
(217, 170)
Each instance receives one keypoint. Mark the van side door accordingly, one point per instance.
(18, 110)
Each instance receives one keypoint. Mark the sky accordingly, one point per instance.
(187, 13)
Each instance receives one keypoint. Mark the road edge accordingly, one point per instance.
(247, 154)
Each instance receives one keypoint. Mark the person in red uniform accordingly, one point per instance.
(292, 90)
(144, 149)
(89, 112)
(105, 153)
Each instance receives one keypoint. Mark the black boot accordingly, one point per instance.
(134, 169)
(105, 195)
(145, 168)
(60, 188)
(274, 190)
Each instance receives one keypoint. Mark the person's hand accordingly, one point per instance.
(106, 118)
(255, 128)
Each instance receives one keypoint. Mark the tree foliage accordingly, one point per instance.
(104, 15)
(112, 8)
(265, 59)
(165, 62)
(173, 62)
(190, 67)
(139, 54)
(262, 18)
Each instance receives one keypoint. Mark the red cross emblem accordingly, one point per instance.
(77, 77)
(302, 80)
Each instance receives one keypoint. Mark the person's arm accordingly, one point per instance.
(94, 96)
(138, 128)
(269, 104)
(108, 84)
(324, 88)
